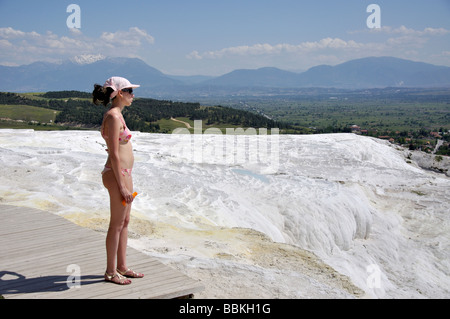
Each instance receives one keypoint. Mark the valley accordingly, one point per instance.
(416, 118)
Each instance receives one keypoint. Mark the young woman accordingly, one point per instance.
(117, 175)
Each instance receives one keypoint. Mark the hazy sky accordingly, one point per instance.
(209, 37)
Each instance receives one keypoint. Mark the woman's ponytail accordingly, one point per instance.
(101, 95)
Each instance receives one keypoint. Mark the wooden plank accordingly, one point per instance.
(38, 247)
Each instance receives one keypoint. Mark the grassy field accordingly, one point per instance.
(38, 118)
(169, 125)
(382, 116)
(27, 113)
(379, 110)
(27, 126)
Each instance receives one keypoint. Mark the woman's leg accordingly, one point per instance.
(117, 237)
(123, 237)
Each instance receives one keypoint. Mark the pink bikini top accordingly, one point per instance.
(124, 136)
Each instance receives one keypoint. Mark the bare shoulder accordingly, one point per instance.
(111, 124)
(112, 117)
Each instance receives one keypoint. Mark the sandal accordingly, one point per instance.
(122, 279)
(130, 273)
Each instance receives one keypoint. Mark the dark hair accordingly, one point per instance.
(101, 95)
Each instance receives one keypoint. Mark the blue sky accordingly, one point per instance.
(212, 37)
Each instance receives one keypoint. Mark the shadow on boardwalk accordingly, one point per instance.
(14, 283)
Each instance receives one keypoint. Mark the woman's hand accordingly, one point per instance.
(127, 195)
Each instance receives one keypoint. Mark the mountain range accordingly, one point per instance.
(81, 73)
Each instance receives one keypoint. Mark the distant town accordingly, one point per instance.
(434, 142)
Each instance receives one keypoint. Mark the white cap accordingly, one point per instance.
(118, 83)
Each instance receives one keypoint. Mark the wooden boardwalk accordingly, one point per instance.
(38, 247)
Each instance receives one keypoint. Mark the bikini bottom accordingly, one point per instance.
(124, 170)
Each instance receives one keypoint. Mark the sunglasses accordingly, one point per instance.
(129, 90)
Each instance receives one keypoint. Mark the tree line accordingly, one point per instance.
(77, 108)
